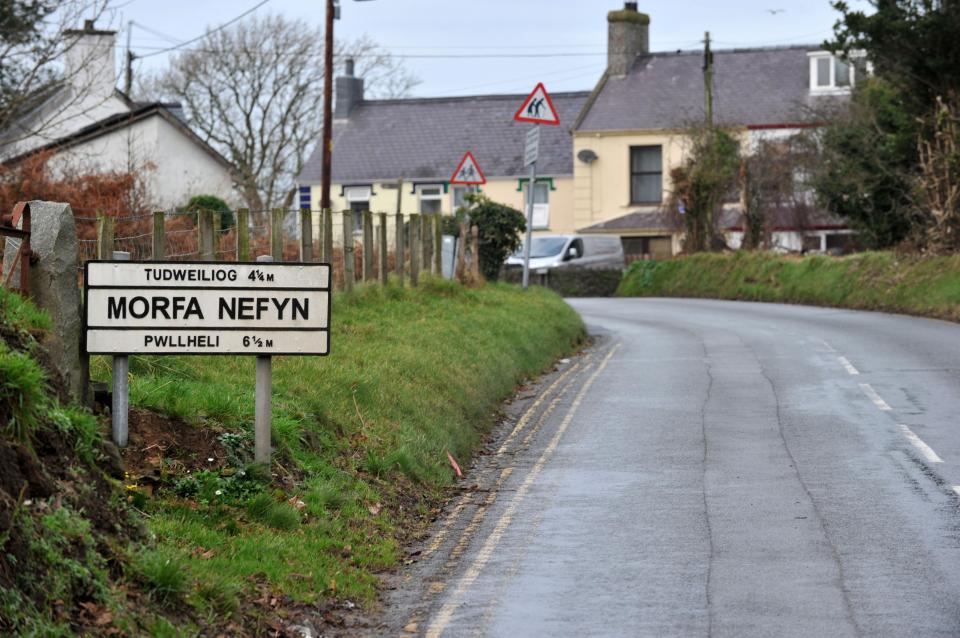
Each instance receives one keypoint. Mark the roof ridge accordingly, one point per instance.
(463, 98)
(777, 47)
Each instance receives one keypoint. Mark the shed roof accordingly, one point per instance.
(752, 87)
(424, 139)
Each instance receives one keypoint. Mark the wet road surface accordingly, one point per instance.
(712, 468)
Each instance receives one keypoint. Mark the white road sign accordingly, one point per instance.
(532, 147)
(207, 308)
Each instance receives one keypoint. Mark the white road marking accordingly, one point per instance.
(826, 345)
(847, 365)
(918, 443)
(956, 488)
(873, 396)
(445, 615)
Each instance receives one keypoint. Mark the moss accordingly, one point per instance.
(625, 15)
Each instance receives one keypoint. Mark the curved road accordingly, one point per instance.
(714, 469)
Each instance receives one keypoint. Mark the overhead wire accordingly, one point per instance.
(200, 37)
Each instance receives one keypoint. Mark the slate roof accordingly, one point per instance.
(424, 138)
(782, 219)
(758, 87)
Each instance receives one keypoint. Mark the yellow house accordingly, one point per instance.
(399, 155)
(631, 131)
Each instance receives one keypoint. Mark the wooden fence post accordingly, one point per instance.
(426, 241)
(104, 236)
(475, 254)
(243, 234)
(367, 245)
(306, 235)
(276, 234)
(414, 249)
(438, 245)
(159, 235)
(383, 248)
(205, 234)
(327, 215)
(348, 263)
(462, 243)
(398, 251)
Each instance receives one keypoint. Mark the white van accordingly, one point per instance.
(567, 251)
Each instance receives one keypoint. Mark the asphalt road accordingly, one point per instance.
(713, 469)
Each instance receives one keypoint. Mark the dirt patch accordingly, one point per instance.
(161, 445)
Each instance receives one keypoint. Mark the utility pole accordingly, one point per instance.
(128, 75)
(708, 78)
(327, 109)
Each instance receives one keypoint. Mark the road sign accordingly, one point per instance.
(532, 148)
(468, 172)
(538, 108)
(207, 308)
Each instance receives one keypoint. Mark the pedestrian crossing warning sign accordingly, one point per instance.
(468, 172)
(538, 108)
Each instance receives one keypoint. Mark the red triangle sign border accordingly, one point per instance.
(520, 117)
(479, 181)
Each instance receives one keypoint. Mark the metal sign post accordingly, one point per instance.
(537, 109)
(263, 395)
(120, 404)
(530, 153)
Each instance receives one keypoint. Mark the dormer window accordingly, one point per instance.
(832, 74)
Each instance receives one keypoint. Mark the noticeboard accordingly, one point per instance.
(154, 307)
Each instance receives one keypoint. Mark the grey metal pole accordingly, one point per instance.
(263, 394)
(120, 406)
(526, 245)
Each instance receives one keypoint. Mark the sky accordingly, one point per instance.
(464, 47)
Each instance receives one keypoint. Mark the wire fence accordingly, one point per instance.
(353, 243)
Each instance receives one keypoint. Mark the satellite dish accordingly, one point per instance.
(587, 156)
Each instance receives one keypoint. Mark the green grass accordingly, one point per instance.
(910, 284)
(412, 374)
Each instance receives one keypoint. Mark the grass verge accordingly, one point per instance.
(361, 440)
(925, 286)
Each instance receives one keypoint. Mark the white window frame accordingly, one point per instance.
(429, 197)
(831, 88)
(541, 211)
(356, 194)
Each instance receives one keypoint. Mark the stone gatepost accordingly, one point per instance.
(54, 287)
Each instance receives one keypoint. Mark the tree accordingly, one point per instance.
(254, 92)
(32, 50)
(703, 183)
(500, 227)
(868, 165)
(912, 44)
(774, 182)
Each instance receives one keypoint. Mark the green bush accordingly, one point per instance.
(23, 393)
(215, 204)
(573, 282)
(500, 228)
(267, 510)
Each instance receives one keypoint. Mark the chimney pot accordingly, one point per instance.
(630, 6)
(348, 63)
(88, 25)
(349, 91)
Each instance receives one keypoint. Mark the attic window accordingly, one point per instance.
(833, 74)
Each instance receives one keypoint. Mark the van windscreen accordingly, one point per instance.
(545, 247)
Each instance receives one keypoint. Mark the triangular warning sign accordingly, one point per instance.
(538, 108)
(468, 172)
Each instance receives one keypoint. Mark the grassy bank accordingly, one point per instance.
(361, 441)
(926, 286)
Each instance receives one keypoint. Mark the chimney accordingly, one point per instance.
(349, 91)
(628, 35)
(89, 61)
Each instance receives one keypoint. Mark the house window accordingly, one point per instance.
(541, 204)
(431, 198)
(646, 174)
(460, 195)
(359, 199)
(832, 74)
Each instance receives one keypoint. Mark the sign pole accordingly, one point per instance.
(529, 240)
(120, 407)
(263, 412)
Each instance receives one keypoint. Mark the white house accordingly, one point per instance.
(89, 126)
